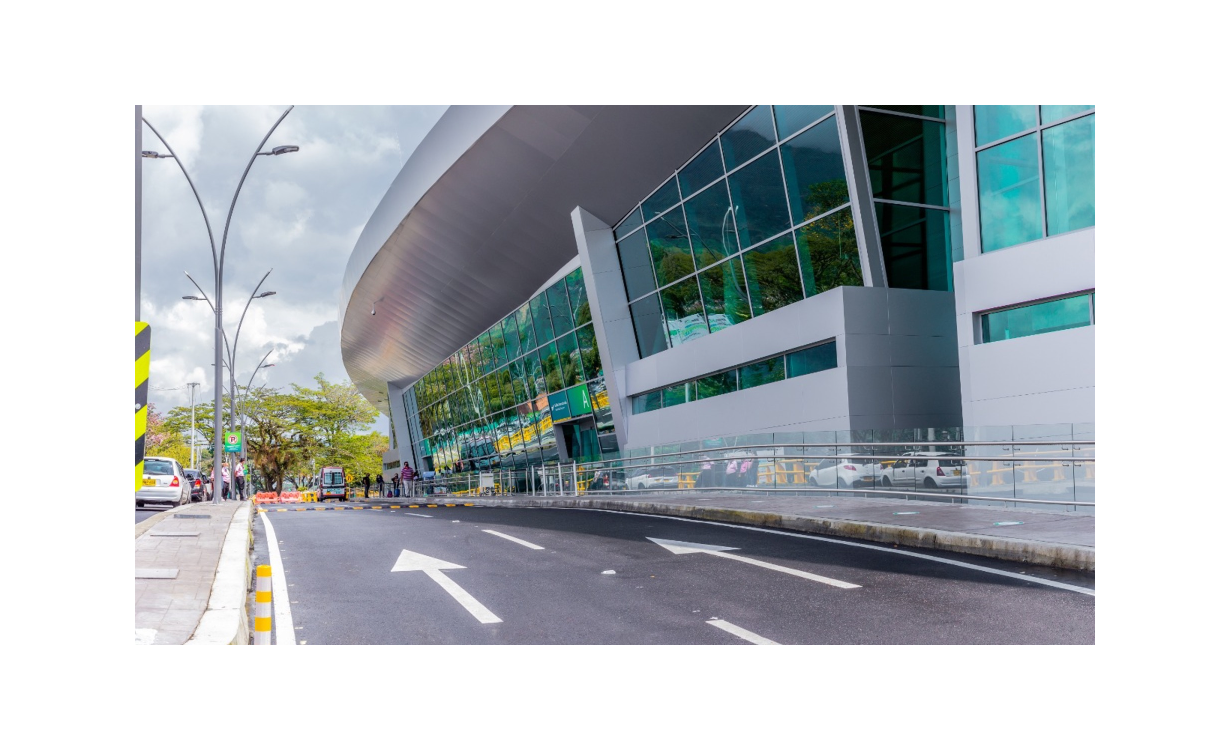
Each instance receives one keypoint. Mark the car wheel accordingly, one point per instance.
(843, 484)
(886, 482)
(140, 503)
(811, 482)
(930, 484)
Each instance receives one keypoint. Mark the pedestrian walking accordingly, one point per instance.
(367, 484)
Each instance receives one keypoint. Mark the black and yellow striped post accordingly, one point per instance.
(143, 336)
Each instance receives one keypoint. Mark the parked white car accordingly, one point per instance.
(653, 477)
(843, 474)
(164, 481)
(928, 470)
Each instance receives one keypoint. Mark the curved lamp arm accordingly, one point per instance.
(212, 248)
(226, 229)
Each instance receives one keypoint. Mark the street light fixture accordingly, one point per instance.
(219, 259)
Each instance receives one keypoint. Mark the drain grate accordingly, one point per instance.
(189, 515)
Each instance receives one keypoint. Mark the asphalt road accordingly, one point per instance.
(338, 567)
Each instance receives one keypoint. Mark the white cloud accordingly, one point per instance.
(299, 214)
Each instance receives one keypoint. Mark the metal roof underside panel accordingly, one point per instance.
(479, 218)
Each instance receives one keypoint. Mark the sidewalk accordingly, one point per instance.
(179, 558)
(193, 566)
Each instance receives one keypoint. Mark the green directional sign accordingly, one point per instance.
(232, 441)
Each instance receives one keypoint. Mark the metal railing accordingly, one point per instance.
(1040, 472)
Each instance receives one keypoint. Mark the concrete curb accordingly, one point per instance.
(225, 621)
(1069, 556)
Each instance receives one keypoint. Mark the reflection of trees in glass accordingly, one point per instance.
(725, 295)
(550, 363)
(591, 360)
(829, 253)
(773, 275)
(825, 196)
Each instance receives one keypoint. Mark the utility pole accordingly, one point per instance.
(192, 397)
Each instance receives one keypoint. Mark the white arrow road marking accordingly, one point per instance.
(522, 542)
(687, 548)
(411, 561)
(746, 635)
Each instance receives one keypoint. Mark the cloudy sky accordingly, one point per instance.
(298, 214)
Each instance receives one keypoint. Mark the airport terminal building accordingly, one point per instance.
(548, 283)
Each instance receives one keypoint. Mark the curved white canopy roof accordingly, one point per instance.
(478, 219)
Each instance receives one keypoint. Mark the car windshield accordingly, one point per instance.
(156, 466)
(334, 477)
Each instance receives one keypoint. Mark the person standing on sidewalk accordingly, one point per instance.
(239, 477)
(380, 484)
(367, 485)
(406, 475)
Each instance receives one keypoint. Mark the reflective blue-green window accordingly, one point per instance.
(662, 199)
(535, 379)
(815, 173)
(773, 275)
(711, 223)
(578, 296)
(650, 328)
(591, 360)
(813, 359)
(550, 367)
(668, 245)
(517, 369)
(716, 385)
(512, 338)
(791, 119)
(762, 373)
(561, 310)
(685, 316)
(1009, 193)
(724, 291)
(993, 122)
(541, 314)
(525, 328)
(906, 157)
(632, 221)
(570, 359)
(749, 136)
(675, 394)
(1054, 112)
(647, 402)
(759, 200)
(917, 247)
(1067, 159)
(828, 253)
(636, 264)
(1044, 317)
(704, 169)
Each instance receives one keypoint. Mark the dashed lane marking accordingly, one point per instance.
(746, 635)
(522, 542)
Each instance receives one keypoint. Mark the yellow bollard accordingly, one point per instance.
(1060, 476)
(264, 606)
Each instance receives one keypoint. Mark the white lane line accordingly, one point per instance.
(420, 515)
(481, 613)
(283, 626)
(790, 571)
(956, 563)
(522, 542)
(746, 635)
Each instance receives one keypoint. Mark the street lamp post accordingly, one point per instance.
(192, 398)
(219, 259)
(232, 346)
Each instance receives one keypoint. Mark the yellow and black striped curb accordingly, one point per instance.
(369, 507)
(142, 403)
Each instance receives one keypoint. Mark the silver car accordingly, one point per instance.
(163, 482)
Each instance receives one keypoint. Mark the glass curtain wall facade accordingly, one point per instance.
(761, 218)
(495, 401)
